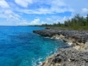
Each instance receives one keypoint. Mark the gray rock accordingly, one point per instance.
(79, 36)
(68, 57)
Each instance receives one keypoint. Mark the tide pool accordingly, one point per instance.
(19, 46)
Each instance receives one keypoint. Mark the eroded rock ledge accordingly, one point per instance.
(80, 36)
(67, 57)
(76, 55)
(77, 39)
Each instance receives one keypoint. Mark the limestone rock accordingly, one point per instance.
(67, 57)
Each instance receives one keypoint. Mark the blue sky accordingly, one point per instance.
(33, 12)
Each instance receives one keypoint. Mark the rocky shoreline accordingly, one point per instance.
(76, 55)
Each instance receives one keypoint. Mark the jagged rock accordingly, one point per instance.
(68, 57)
(76, 55)
(79, 36)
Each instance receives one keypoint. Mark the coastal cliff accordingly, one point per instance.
(75, 55)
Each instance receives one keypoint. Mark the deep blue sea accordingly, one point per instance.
(19, 46)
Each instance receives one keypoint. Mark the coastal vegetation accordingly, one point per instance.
(76, 52)
(77, 22)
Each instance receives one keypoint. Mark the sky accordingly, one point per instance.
(37, 12)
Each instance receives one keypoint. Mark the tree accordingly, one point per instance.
(87, 20)
(59, 24)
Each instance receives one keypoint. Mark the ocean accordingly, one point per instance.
(19, 46)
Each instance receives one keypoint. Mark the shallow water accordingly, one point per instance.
(19, 46)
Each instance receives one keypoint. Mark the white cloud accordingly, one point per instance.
(9, 17)
(23, 22)
(48, 19)
(8, 14)
(10, 10)
(55, 6)
(4, 4)
(63, 19)
(36, 21)
(37, 11)
(77, 5)
(52, 10)
(58, 2)
(57, 19)
(85, 10)
(24, 3)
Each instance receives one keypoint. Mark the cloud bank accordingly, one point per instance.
(33, 12)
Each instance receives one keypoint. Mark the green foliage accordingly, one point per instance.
(77, 22)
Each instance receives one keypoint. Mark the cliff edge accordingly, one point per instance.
(75, 55)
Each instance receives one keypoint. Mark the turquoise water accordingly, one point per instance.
(19, 46)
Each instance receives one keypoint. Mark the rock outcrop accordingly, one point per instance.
(67, 57)
(75, 55)
(77, 39)
(79, 36)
